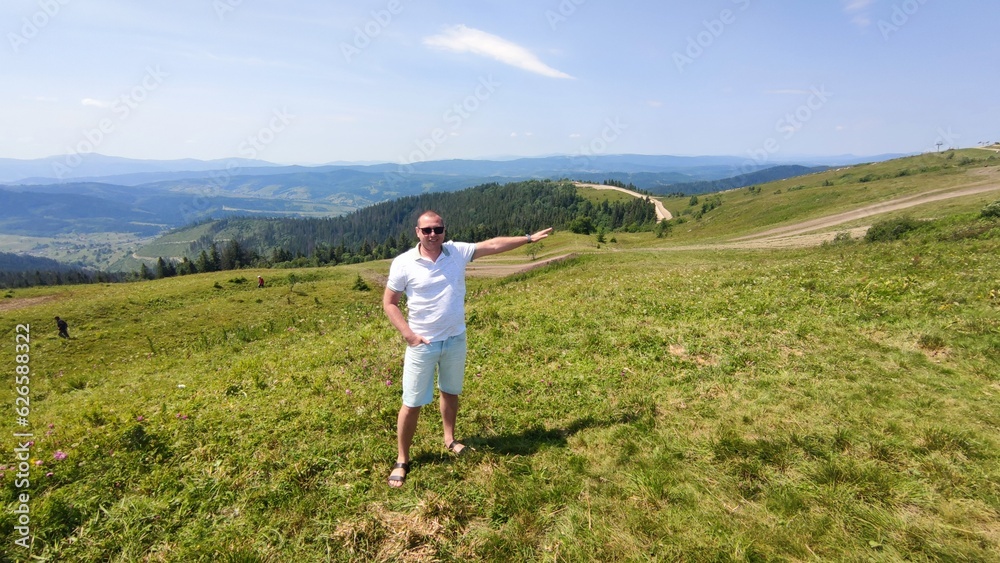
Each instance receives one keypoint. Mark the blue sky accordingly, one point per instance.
(313, 82)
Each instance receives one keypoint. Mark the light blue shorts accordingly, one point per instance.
(448, 356)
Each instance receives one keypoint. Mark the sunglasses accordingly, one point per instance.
(428, 230)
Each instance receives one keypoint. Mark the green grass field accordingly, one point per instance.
(836, 402)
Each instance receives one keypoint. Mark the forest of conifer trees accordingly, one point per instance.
(382, 230)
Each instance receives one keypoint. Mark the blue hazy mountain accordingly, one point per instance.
(111, 194)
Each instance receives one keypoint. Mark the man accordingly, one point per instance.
(432, 275)
(63, 327)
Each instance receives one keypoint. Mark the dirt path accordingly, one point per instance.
(662, 214)
(13, 304)
(500, 269)
(884, 207)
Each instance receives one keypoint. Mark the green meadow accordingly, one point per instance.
(636, 401)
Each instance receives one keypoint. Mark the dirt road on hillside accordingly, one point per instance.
(500, 269)
(661, 212)
(804, 227)
(803, 234)
(20, 303)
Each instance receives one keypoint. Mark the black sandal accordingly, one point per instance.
(399, 478)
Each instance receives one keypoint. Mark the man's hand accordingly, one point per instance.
(540, 235)
(390, 304)
(414, 339)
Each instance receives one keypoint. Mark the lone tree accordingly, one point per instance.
(533, 249)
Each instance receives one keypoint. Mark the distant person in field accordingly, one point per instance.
(63, 327)
(432, 275)
(260, 281)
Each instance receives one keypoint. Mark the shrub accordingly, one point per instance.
(991, 210)
(843, 237)
(360, 284)
(891, 229)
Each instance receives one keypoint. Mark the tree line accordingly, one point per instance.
(385, 229)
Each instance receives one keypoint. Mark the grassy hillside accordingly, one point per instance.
(743, 211)
(835, 403)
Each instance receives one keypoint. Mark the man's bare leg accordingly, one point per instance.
(449, 412)
(406, 427)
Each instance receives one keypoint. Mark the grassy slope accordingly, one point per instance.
(806, 197)
(835, 402)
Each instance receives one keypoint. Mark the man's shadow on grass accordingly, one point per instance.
(531, 440)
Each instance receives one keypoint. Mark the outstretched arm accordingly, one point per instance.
(503, 244)
(390, 304)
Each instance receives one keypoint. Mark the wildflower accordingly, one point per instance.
(388, 383)
(49, 474)
(140, 418)
(349, 392)
(59, 455)
(52, 425)
(38, 462)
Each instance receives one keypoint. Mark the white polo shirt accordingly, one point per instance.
(435, 291)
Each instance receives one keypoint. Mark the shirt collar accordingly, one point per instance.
(444, 252)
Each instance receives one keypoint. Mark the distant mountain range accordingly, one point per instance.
(101, 168)
(110, 194)
(132, 172)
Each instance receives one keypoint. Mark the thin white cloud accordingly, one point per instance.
(91, 102)
(857, 5)
(463, 39)
(857, 10)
